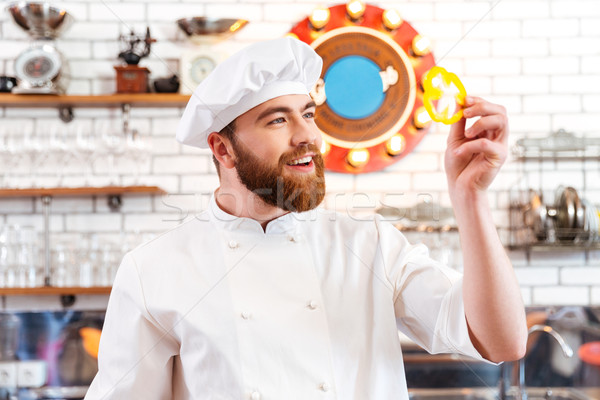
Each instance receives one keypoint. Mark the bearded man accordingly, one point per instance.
(267, 296)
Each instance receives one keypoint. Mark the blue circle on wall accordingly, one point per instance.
(353, 87)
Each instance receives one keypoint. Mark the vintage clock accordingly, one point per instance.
(195, 66)
(369, 96)
(204, 32)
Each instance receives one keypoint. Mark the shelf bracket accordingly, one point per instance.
(67, 300)
(126, 109)
(65, 113)
(115, 202)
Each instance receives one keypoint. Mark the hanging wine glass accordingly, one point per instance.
(59, 145)
(138, 151)
(34, 153)
(113, 146)
(4, 155)
(85, 149)
(14, 146)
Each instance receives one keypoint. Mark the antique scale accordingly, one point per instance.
(40, 69)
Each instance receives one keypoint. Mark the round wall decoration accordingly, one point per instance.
(369, 96)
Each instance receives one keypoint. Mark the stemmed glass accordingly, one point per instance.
(33, 151)
(113, 147)
(60, 148)
(137, 150)
(10, 149)
(85, 149)
(4, 155)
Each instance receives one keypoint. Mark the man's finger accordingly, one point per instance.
(457, 131)
(491, 127)
(478, 107)
(493, 151)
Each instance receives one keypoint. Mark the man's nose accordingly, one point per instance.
(305, 132)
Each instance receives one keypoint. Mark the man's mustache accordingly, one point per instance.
(298, 152)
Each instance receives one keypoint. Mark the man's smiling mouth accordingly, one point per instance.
(305, 161)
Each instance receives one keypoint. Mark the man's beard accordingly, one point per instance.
(294, 192)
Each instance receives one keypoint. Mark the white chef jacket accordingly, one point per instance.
(218, 308)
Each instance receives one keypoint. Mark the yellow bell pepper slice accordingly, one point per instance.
(438, 84)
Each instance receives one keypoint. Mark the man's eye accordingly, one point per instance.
(309, 115)
(277, 121)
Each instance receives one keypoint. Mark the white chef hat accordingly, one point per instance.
(255, 74)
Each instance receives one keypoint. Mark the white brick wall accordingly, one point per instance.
(547, 28)
(521, 10)
(541, 59)
(551, 65)
(564, 295)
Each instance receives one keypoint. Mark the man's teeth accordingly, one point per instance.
(304, 160)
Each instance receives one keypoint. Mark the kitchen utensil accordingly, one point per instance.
(535, 215)
(579, 221)
(7, 83)
(40, 20)
(567, 219)
(167, 85)
(198, 27)
(591, 216)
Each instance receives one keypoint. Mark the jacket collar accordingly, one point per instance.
(287, 223)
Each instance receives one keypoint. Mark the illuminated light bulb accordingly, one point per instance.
(355, 9)
(391, 19)
(358, 157)
(395, 145)
(422, 118)
(325, 147)
(319, 17)
(421, 45)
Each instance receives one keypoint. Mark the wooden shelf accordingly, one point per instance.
(114, 194)
(109, 100)
(81, 191)
(53, 290)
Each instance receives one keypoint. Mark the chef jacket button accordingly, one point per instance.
(246, 315)
(233, 244)
(324, 386)
(255, 395)
(293, 238)
(312, 305)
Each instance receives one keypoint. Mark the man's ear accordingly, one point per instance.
(222, 149)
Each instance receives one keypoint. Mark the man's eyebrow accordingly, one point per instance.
(310, 104)
(273, 110)
(282, 109)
